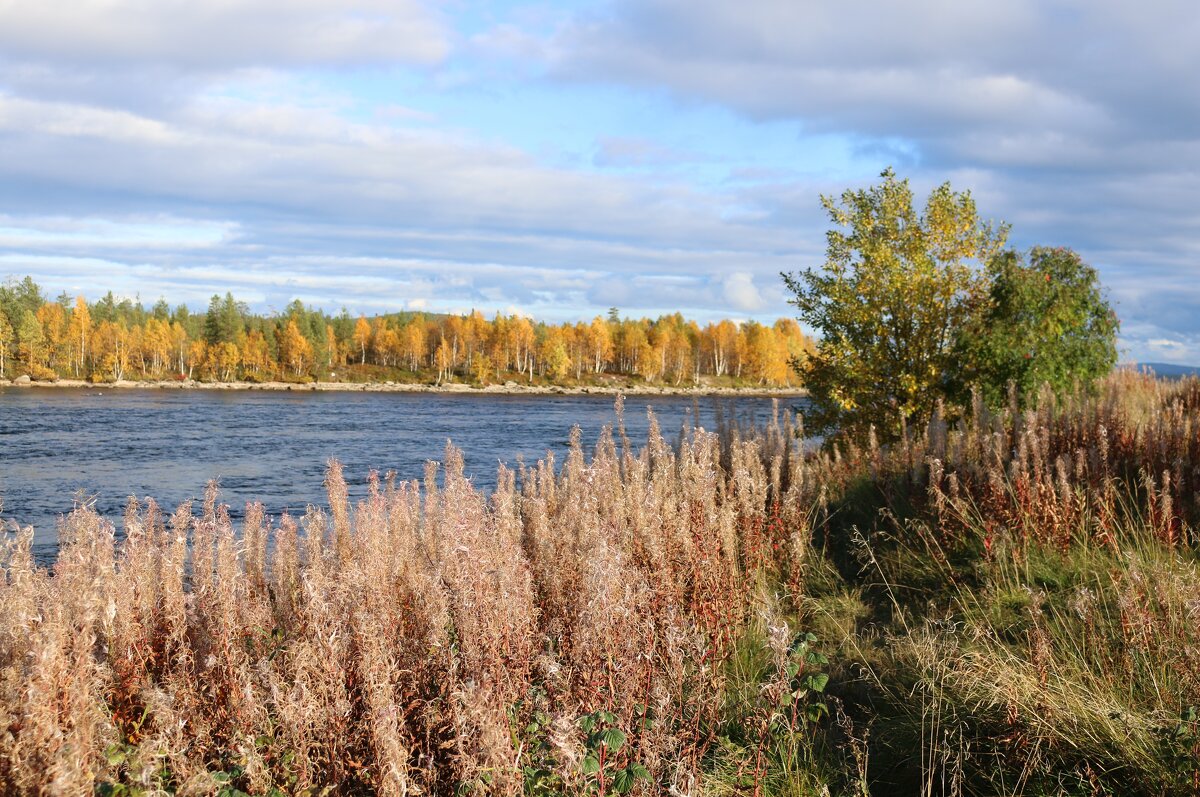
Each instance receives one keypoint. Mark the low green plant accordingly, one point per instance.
(126, 758)
(608, 767)
(538, 763)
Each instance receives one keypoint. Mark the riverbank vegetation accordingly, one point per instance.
(1004, 603)
(916, 307)
(984, 581)
(112, 340)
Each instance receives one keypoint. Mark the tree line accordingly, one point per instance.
(118, 339)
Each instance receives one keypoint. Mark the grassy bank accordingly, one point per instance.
(1006, 604)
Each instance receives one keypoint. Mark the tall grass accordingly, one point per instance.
(428, 640)
(1001, 603)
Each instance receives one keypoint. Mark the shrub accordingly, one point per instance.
(1042, 323)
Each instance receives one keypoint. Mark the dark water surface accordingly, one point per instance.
(106, 445)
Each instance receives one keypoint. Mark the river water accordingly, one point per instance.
(59, 446)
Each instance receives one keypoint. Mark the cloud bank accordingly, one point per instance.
(561, 160)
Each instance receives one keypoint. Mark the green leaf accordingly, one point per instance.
(817, 681)
(590, 765)
(623, 781)
(115, 754)
(613, 739)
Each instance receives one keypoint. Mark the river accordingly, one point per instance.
(59, 446)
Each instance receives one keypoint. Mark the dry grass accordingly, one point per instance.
(1010, 602)
(429, 640)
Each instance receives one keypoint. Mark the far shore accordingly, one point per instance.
(514, 388)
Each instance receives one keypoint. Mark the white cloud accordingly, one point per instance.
(1077, 123)
(741, 293)
(222, 35)
(285, 193)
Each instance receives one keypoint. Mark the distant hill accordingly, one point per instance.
(1167, 370)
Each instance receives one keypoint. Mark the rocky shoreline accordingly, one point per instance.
(512, 388)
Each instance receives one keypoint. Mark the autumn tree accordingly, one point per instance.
(362, 338)
(224, 359)
(156, 344)
(600, 345)
(481, 368)
(412, 342)
(477, 330)
(256, 355)
(389, 345)
(111, 344)
(798, 346)
(576, 337)
(671, 343)
(634, 348)
(196, 355)
(896, 287)
(53, 319)
(765, 351)
(443, 360)
(523, 340)
(720, 344)
(335, 352)
(295, 352)
(499, 347)
(556, 361)
(452, 333)
(136, 340)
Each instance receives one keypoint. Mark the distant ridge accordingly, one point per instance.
(1166, 370)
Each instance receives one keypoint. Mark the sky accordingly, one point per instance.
(557, 159)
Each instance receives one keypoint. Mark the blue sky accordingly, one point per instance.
(556, 159)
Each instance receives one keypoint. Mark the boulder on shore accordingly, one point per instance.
(23, 379)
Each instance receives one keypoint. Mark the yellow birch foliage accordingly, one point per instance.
(295, 351)
(895, 287)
